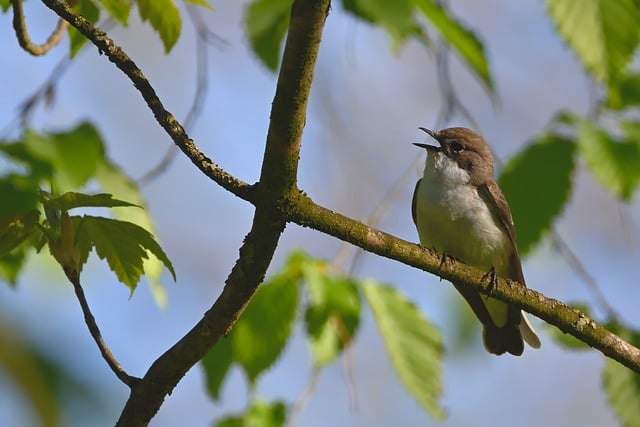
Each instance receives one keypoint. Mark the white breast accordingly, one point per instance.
(452, 217)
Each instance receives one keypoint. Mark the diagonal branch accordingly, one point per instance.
(168, 122)
(569, 320)
(95, 332)
(278, 201)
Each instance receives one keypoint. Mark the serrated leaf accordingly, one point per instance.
(537, 184)
(603, 33)
(397, 17)
(124, 245)
(266, 23)
(414, 345)
(613, 161)
(15, 229)
(91, 13)
(119, 9)
(262, 332)
(332, 315)
(621, 384)
(114, 180)
(164, 17)
(216, 364)
(72, 200)
(259, 414)
(462, 40)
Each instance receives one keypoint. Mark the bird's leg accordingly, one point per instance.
(493, 279)
(444, 261)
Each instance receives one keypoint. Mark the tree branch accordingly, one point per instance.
(20, 27)
(95, 332)
(278, 201)
(168, 122)
(305, 212)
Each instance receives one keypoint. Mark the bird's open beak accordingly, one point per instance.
(427, 146)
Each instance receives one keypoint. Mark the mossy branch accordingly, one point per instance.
(278, 201)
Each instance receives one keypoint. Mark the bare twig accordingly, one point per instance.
(96, 335)
(20, 27)
(579, 268)
(304, 397)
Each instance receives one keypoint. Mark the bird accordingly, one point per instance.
(459, 210)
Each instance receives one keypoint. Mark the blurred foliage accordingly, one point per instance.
(604, 36)
(332, 313)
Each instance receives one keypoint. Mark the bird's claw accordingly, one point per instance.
(493, 279)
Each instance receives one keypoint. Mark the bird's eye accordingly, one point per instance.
(456, 147)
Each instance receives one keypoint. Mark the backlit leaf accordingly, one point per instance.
(414, 345)
(164, 17)
(603, 33)
(613, 161)
(266, 23)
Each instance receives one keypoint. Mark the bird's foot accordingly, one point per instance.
(445, 261)
(493, 279)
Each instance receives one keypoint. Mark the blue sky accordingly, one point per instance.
(365, 107)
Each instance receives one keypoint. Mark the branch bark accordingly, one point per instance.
(20, 27)
(278, 201)
(277, 185)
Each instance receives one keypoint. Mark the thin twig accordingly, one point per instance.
(579, 268)
(20, 26)
(115, 366)
(304, 397)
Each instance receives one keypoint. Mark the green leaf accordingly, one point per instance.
(397, 17)
(203, 3)
(89, 11)
(537, 185)
(5, 4)
(461, 39)
(124, 245)
(164, 17)
(613, 161)
(259, 414)
(19, 362)
(332, 315)
(266, 24)
(16, 229)
(216, 364)
(21, 191)
(603, 33)
(115, 181)
(119, 9)
(413, 343)
(622, 385)
(72, 200)
(626, 93)
(11, 264)
(74, 155)
(262, 332)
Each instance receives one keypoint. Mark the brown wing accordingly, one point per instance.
(414, 201)
(492, 195)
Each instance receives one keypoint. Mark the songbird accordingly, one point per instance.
(460, 211)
